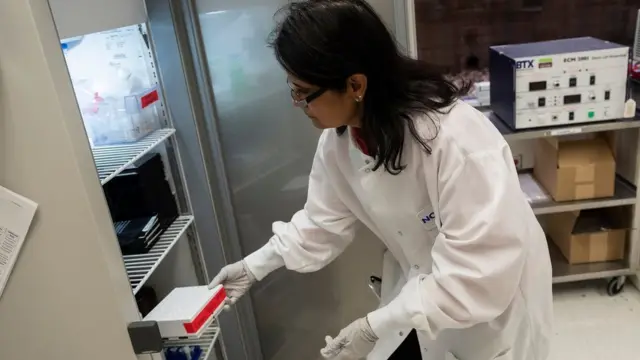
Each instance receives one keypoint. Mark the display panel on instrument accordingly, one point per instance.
(572, 99)
(537, 85)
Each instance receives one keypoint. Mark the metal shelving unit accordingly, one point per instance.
(112, 160)
(513, 135)
(626, 194)
(140, 267)
(564, 272)
(206, 341)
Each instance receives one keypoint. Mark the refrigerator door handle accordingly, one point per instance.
(145, 337)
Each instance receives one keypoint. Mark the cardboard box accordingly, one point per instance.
(590, 235)
(576, 169)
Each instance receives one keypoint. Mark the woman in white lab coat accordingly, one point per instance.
(467, 274)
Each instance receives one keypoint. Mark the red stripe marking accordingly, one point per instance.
(207, 311)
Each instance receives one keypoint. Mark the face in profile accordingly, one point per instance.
(328, 108)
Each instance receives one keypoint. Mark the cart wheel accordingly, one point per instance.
(615, 285)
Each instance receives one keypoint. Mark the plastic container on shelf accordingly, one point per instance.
(113, 120)
(126, 111)
(142, 110)
(98, 116)
(114, 85)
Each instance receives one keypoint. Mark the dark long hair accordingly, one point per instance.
(324, 42)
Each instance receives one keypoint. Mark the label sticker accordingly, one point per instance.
(545, 63)
(427, 218)
(568, 131)
(149, 99)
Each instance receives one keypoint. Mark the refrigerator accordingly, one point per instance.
(236, 152)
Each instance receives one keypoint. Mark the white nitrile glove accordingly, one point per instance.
(352, 343)
(236, 279)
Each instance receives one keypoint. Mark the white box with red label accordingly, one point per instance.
(187, 312)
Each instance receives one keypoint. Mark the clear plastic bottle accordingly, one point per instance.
(100, 119)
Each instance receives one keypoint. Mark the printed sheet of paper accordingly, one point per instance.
(16, 214)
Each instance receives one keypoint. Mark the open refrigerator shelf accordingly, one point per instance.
(625, 194)
(113, 159)
(140, 267)
(206, 342)
(535, 133)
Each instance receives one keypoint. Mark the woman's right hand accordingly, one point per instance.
(236, 279)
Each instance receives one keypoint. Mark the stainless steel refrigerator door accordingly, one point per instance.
(267, 146)
(187, 93)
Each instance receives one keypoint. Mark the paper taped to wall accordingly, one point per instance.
(16, 214)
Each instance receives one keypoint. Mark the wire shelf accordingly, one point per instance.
(140, 267)
(113, 159)
(206, 342)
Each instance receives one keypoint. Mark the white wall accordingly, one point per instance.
(68, 297)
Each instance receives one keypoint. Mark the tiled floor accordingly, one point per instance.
(590, 325)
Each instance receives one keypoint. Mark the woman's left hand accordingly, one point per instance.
(352, 343)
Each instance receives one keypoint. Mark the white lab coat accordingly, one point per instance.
(470, 267)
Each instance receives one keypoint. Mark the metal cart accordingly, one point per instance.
(626, 194)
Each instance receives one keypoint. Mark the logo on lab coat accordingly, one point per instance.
(427, 218)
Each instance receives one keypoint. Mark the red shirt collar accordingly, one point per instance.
(356, 134)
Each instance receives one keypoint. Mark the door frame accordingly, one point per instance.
(188, 92)
(405, 25)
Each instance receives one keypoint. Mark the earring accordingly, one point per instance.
(359, 98)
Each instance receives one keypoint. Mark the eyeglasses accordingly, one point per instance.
(303, 102)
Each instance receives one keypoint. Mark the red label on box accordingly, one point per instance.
(148, 99)
(209, 309)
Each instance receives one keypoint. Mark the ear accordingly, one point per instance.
(357, 86)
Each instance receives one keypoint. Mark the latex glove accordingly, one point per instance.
(352, 343)
(236, 279)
